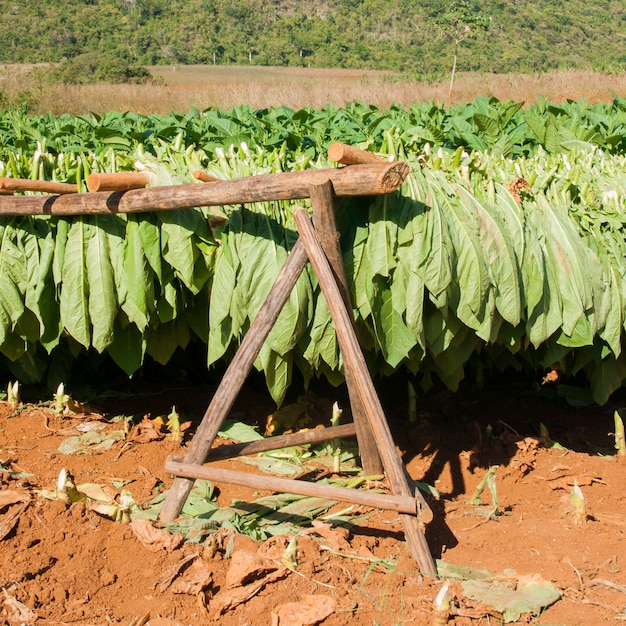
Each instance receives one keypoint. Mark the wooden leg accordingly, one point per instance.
(234, 378)
(354, 361)
(323, 203)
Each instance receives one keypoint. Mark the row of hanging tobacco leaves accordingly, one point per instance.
(504, 248)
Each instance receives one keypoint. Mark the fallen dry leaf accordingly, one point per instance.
(147, 430)
(168, 577)
(10, 519)
(246, 567)
(17, 612)
(337, 537)
(153, 538)
(10, 496)
(230, 598)
(311, 610)
(196, 579)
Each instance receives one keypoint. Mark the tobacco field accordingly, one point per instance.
(504, 248)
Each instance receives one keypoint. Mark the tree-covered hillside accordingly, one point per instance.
(384, 34)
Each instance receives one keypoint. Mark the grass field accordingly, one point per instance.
(177, 88)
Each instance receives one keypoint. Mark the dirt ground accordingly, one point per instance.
(63, 561)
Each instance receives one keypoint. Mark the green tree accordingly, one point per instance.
(461, 20)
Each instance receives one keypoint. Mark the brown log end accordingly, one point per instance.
(119, 181)
(204, 177)
(348, 155)
(395, 176)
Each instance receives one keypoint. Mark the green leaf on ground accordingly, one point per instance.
(91, 442)
(529, 594)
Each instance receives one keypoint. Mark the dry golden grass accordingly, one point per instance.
(178, 88)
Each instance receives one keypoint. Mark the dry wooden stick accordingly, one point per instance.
(303, 437)
(45, 186)
(348, 155)
(389, 502)
(118, 181)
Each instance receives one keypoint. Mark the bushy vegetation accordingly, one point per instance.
(93, 67)
(399, 35)
(456, 270)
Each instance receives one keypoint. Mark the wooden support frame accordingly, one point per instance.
(318, 244)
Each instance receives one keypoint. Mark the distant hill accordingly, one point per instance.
(404, 35)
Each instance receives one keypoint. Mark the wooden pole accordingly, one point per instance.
(303, 437)
(354, 361)
(234, 378)
(118, 181)
(44, 186)
(390, 502)
(204, 177)
(323, 203)
(348, 155)
(356, 180)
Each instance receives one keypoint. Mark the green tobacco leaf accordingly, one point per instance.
(470, 273)
(234, 429)
(179, 231)
(102, 300)
(40, 296)
(139, 301)
(607, 377)
(415, 293)
(128, 348)
(513, 217)
(395, 339)
(382, 239)
(13, 276)
(541, 286)
(220, 322)
(322, 345)
(150, 237)
(277, 369)
(161, 343)
(612, 330)
(572, 259)
(432, 246)
(61, 233)
(502, 261)
(74, 304)
(294, 318)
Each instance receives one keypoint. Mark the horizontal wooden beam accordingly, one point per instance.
(43, 186)
(355, 180)
(301, 438)
(388, 502)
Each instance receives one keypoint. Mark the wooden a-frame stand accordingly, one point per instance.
(319, 245)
